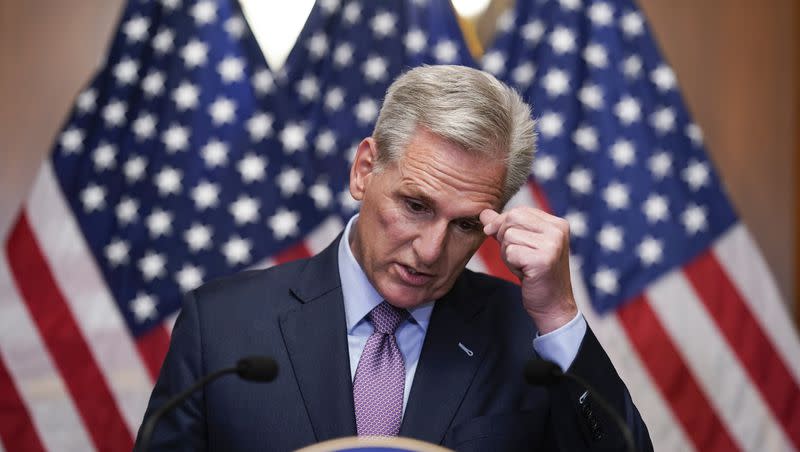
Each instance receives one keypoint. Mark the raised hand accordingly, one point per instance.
(535, 247)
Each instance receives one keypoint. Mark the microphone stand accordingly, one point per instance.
(150, 425)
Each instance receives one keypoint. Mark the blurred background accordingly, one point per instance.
(736, 62)
(710, 356)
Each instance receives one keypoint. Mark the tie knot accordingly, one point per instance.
(386, 318)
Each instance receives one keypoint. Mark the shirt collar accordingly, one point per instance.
(359, 295)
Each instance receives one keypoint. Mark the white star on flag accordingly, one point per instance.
(606, 280)
(317, 45)
(252, 167)
(114, 113)
(104, 157)
(159, 222)
(134, 168)
(175, 138)
(135, 29)
(244, 210)
(562, 40)
(143, 307)
(650, 251)
(656, 208)
(71, 140)
(237, 250)
(284, 223)
(222, 111)
(117, 252)
(205, 195)
(189, 277)
(127, 210)
(164, 41)
(259, 126)
(204, 12)
(186, 96)
(290, 181)
(153, 84)
(152, 265)
(144, 126)
(383, 24)
(194, 53)
(415, 41)
(215, 153)
(168, 181)
(293, 137)
(231, 69)
(198, 237)
(93, 197)
(660, 164)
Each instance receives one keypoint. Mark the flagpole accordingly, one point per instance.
(470, 33)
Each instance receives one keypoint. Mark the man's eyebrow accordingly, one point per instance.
(474, 219)
(427, 200)
(420, 195)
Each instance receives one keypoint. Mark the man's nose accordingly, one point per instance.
(430, 243)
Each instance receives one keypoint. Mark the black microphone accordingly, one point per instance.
(540, 372)
(251, 368)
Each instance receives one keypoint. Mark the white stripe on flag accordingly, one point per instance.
(476, 264)
(524, 197)
(86, 293)
(742, 261)
(52, 411)
(665, 431)
(714, 365)
(323, 235)
(169, 321)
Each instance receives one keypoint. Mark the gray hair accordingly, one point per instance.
(464, 106)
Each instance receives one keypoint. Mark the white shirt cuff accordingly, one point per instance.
(561, 345)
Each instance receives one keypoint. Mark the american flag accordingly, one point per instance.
(187, 158)
(668, 278)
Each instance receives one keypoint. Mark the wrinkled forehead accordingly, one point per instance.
(437, 167)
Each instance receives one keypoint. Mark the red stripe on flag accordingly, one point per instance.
(676, 382)
(734, 318)
(64, 340)
(490, 254)
(153, 346)
(294, 252)
(16, 428)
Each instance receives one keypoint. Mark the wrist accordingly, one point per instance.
(547, 321)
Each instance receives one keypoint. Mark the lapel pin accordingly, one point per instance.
(466, 350)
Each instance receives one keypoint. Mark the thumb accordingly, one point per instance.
(486, 217)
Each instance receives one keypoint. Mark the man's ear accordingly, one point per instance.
(363, 165)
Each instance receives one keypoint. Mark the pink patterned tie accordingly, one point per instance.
(380, 376)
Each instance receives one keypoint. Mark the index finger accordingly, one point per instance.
(487, 217)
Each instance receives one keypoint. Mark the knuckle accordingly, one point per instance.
(563, 225)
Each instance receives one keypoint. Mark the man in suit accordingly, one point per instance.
(385, 332)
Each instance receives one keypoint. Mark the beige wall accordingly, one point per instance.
(735, 60)
(736, 63)
(48, 51)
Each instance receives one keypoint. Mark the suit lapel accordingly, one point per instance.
(445, 369)
(316, 341)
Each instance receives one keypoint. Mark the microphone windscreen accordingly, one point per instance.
(541, 372)
(257, 368)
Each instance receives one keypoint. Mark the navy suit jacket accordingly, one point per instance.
(295, 314)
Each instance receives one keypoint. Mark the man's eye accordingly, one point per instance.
(467, 225)
(415, 206)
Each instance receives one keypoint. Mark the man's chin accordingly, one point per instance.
(405, 297)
